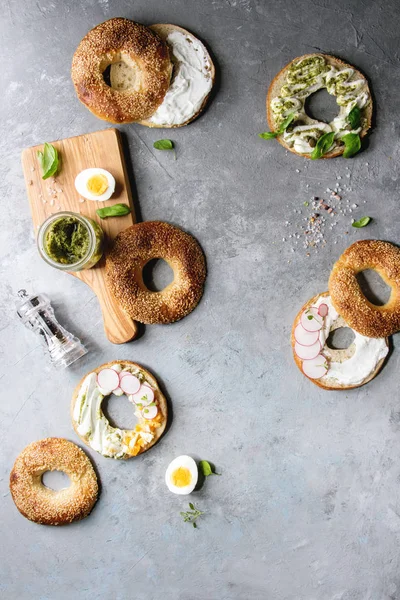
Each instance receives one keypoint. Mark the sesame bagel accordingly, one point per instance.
(330, 368)
(147, 55)
(347, 297)
(98, 433)
(192, 78)
(133, 249)
(345, 82)
(43, 505)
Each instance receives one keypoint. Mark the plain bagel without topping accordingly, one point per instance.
(298, 80)
(43, 505)
(133, 249)
(347, 297)
(110, 42)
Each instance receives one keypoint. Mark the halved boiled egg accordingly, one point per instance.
(95, 184)
(181, 475)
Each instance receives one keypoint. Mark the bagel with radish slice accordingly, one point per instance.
(191, 83)
(300, 133)
(333, 369)
(149, 403)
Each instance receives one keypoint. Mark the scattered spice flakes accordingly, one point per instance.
(311, 230)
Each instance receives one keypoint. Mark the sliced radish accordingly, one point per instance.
(303, 337)
(323, 310)
(108, 379)
(311, 320)
(123, 373)
(149, 412)
(144, 396)
(315, 368)
(308, 352)
(129, 384)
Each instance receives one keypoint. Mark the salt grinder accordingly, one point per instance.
(37, 314)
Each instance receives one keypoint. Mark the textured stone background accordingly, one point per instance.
(308, 507)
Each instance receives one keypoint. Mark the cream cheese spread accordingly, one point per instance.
(94, 426)
(366, 351)
(191, 81)
(305, 77)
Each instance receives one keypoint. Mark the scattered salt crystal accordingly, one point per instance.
(32, 169)
(297, 170)
(283, 239)
(339, 177)
(354, 205)
(52, 202)
(30, 182)
(81, 199)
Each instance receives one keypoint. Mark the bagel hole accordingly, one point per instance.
(107, 76)
(321, 106)
(340, 338)
(373, 287)
(56, 480)
(157, 274)
(119, 412)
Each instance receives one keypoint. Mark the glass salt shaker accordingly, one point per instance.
(37, 314)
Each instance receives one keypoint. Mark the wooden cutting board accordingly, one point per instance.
(100, 149)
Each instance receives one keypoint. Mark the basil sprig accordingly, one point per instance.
(352, 144)
(164, 145)
(268, 135)
(361, 222)
(116, 210)
(48, 160)
(354, 117)
(323, 145)
(207, 468)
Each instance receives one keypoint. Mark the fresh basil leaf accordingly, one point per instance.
(48, 160)
(191, 505)
(268, 135)
(285, 124)
(361, 222)
(352, 144)
(164, 145)
(323, 145)
(354, 117)
(206, 468)
(116, 210)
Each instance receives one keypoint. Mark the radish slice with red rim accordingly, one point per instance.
(305, 338)
(149, 412)
(323, 310)
(129, 384)
(124, 373)
(144, 396)
(311, 320)
(315, 368)
(308, 352)
(108, 379)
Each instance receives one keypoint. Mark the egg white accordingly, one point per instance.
(83, 177)
(188, 463)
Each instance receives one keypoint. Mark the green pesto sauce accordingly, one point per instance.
(67, 240)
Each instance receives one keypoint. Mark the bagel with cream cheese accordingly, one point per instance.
(146, 54)
(149, 404)
(333, 369)
(133, 249)
(192, 78)
(347, 296)
(43, 505)
(302, 77)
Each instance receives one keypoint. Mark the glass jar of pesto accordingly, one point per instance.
(70, 242)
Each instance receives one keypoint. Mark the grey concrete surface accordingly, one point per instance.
(308, 504)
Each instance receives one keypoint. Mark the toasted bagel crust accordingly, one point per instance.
(162, 402)
(347, 297)
(43, 505)
(280, 79)
(326, 384)
(104, 45)
(163, 30)
(135, 247)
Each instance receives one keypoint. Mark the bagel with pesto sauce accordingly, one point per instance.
(191, 83)
(302, 77)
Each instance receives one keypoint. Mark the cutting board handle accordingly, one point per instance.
(118, 326)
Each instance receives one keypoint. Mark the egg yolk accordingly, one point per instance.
(181, 477)
(97, 184)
